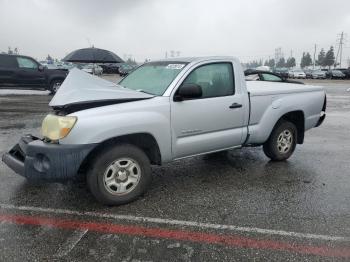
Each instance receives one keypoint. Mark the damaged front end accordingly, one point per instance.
(38, 160)
(46, 159)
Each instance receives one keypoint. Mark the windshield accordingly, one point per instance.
(153, 78)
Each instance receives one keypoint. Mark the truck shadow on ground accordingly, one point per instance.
(202, 180)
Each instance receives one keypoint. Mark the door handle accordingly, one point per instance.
(235, 105)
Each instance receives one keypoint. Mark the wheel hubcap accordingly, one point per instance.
(122, 176)
(285, 141)
(56, 86)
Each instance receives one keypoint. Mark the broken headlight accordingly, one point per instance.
(57, 127)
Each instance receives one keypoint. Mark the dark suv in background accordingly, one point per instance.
(25, 72)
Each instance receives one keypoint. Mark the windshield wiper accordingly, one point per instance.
(140, 90)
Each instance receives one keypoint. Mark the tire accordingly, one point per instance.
(55, 85)
(280, 151)
(110, 166)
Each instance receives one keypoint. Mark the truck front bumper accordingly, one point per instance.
(37, 160)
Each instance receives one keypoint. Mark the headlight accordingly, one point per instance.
(57, 127)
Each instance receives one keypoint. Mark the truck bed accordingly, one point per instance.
(262, 88)
(270, 100)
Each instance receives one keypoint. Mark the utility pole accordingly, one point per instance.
(314, 57)
(340, 41)
(89, 42)
(278, 54)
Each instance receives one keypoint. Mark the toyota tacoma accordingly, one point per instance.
(163, 111)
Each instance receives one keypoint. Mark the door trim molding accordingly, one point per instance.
(208, 152)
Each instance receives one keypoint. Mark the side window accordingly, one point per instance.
(269, 77)
(8, 61)
(26, 63)
(215, 79)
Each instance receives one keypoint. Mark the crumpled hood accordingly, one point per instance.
(80, 87)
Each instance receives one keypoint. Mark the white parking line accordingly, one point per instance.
(70, 243)
(177, 223)
(6, 92)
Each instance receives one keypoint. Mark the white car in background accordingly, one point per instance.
(92, 69)
(297, 73)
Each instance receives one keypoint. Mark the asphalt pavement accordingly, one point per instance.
(234, 207)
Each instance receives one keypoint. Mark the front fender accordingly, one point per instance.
(96, 125)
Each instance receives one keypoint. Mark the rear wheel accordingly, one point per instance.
(282, 141)
(119, 175)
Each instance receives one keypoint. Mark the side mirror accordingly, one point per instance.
(188, 91)
(41, 68)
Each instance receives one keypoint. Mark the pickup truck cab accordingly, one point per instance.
(163, 111)
(26, 72)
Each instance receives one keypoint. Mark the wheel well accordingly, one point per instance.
(144, 141)
(56, 78)
(298, 119)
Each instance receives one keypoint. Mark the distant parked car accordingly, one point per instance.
(345, 71)
(281, 71)
(111, 68)
(26, 72)
(125, 69)
(335, 74)
(308, 73)
(92, 69)
(67, 66)
(297, 73)
(258, 75)
(318, 74)
(59, 66)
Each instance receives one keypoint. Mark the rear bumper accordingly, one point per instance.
(37, 160)
(323, 112)
(321, 119)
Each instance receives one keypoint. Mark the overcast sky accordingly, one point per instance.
(248, 29)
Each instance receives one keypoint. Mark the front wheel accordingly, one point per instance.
(55, 85)
(282, 141)
(119, 175)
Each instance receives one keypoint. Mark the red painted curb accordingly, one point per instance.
(208, 238)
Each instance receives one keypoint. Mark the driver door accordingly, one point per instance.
(28, 73)
(212, 122)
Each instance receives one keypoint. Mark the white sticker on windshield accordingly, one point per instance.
(175, 66)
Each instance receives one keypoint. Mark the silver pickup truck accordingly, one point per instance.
(163, 111)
